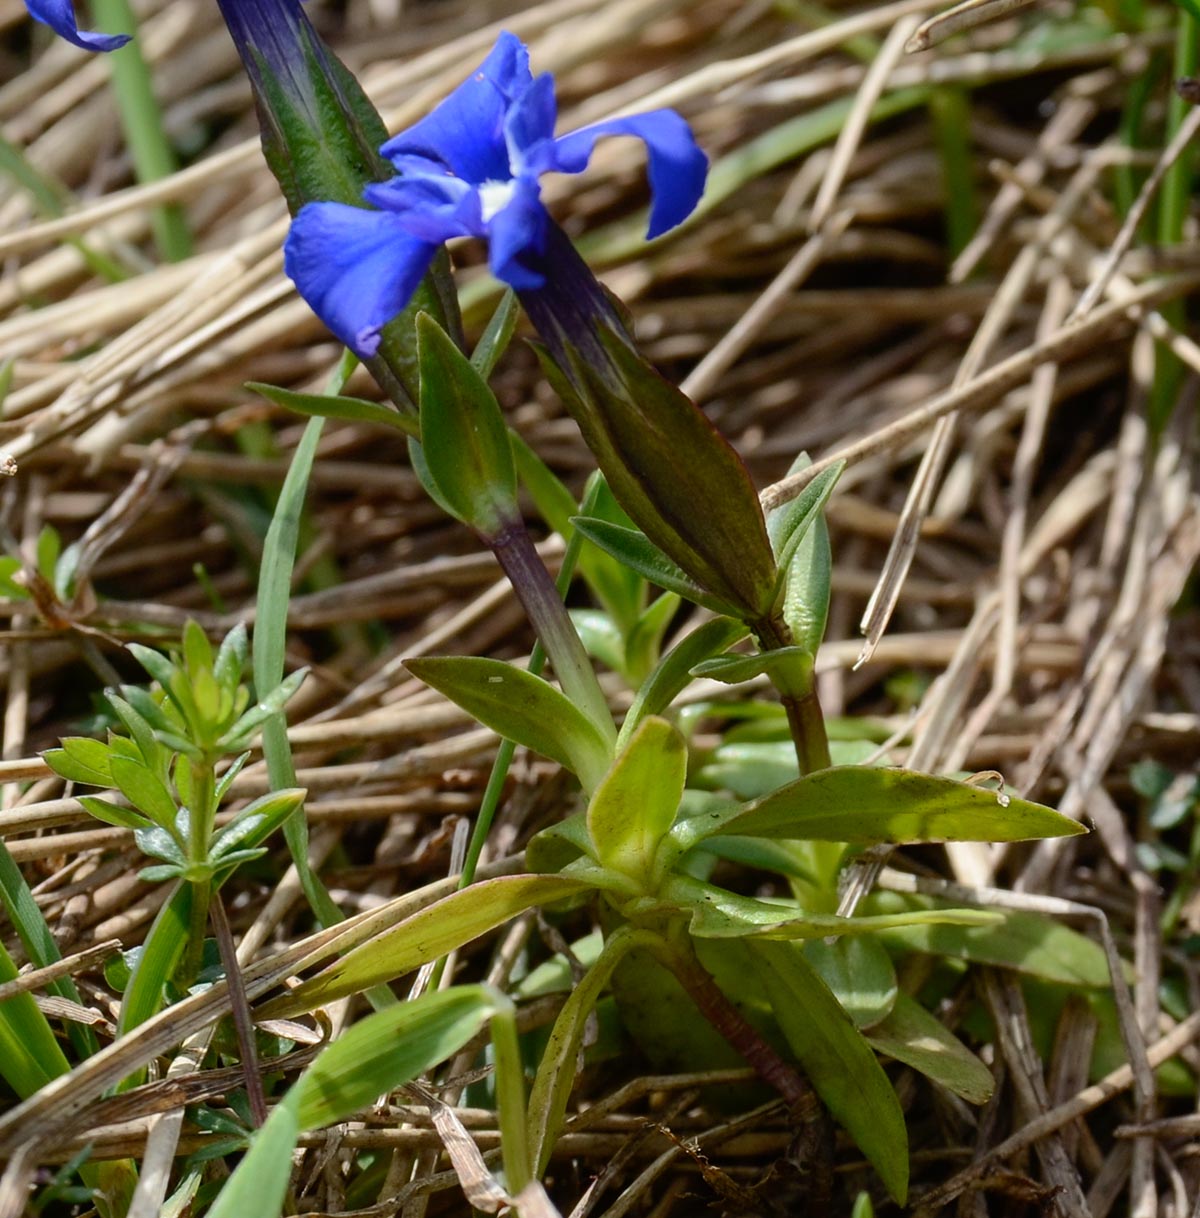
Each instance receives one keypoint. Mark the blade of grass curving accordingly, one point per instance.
(270, 638)
(1174, 204)
(142, 121)
(29, 1053)
(39, 944)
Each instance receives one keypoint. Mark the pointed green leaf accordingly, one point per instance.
(10, 587)
(674, 670)
(788, 524)
(717, 913)
(243, 731)
(496, 337)
(869, 805)
(1029, 943)
(860, 974)
(837, 1059)
(231, 657)
(792, 665)
(112, 814)
(257, 821)
(808, 586)
(141, 731)
(556, 1070)
(260, 1181)
(633, 548)
(197, 650)
(522, 708)
(81, 759)
(49, 546)
(389, 1048)
(634, 807)
(352, 410)
(428, 934)
(910, 1034)
(463, 435)
(144, 790)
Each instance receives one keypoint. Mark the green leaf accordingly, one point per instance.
(910, 1034)
(156, 962)
(839, 1062)
(634, 807)
(9, 586)
(226, 780)
(81, 759)
(497, 335)
(643, 647)
(159, 844)
(49, 546)
(788, 524)
(30, 1055)
(717, 913)
(674, 670)
(257, 821)
(633, 548)
(242, 732)
(793, 665)
(112, 814)
(868, 805)
(859, 972)
(260, 1181)
(1029, 943)
(463, 435)
(522, 708)
(601, 637)
(141, 731)
(389, 1048)
(373, 1057)
(352, 410)
(808, 586)
(231, 658)
(428, 934)
(556, 1070)
(197, 650)
(144, 790)
(146, 705)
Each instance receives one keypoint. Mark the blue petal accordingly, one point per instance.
(677, 168)
(357, 269)
(433, 208)
(466, 131)
(60, 16)
(517, 236)
(529, 124)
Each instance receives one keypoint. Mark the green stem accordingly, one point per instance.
(200, 827)
(142, 122)
(800, 702)
(537, 661)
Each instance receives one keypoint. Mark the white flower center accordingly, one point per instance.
(494, 197)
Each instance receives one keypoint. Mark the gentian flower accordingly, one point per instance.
(59, 15)
(471, 168)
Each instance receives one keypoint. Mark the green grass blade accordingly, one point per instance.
(39, 944)
(142, 122)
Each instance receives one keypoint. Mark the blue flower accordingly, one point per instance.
(471, 168)
(60, 16)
